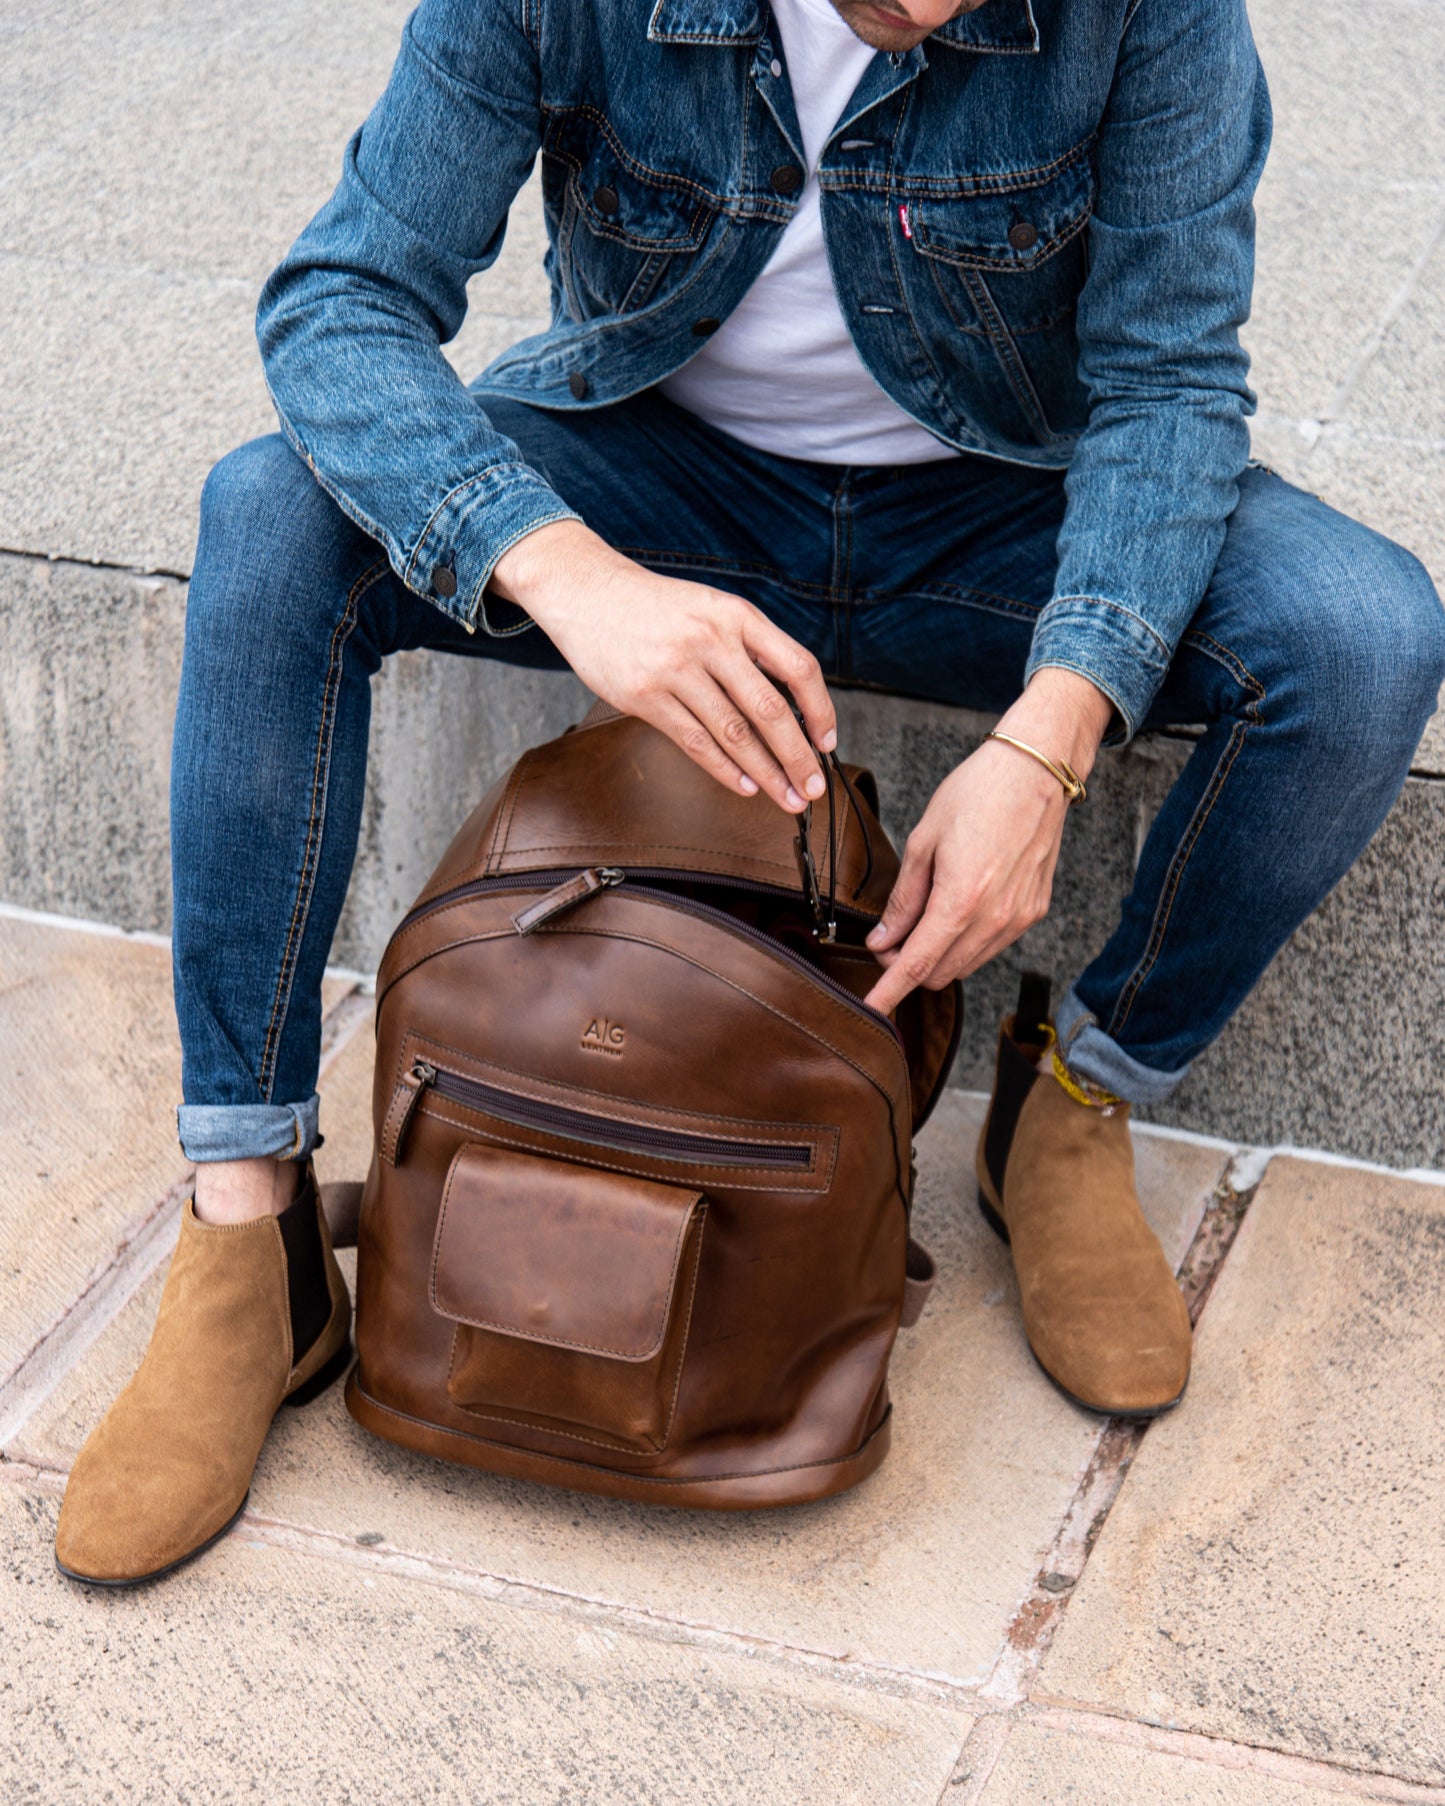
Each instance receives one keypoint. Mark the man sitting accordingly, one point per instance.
(894, 342)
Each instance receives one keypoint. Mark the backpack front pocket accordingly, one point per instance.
(571, 1288)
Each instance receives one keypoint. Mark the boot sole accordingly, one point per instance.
(141, 1580)
(1142, 1415)
(324, 1376)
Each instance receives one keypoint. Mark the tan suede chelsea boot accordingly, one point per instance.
(1101, 1306)
(253, 1315)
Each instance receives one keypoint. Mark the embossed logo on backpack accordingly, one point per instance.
(604, 1037)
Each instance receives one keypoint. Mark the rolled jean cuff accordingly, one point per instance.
(248, 1131)
(1091, 1054)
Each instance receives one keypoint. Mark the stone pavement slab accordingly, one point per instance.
(154, 375)
(153, 170)
(1273, 1571)
(89, 1073)
(1356, 92)
(264, 1674)
(1041, 1767)
(1399, 393)
(1320, 293)
(921, 1569)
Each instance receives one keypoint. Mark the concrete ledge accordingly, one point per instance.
(1339, 1048)
(90, 661)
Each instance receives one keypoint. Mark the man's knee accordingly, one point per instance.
(1358, 632)
(275, 556)
(250, 491)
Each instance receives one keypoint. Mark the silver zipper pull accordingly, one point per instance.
(567, 895)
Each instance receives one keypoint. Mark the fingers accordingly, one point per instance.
(909, 897)
(915, 962)
(762, 731)
(950, 942)
(783, 658)
(684, 729)
(739, 740)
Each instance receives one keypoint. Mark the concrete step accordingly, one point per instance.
(1340, 1048)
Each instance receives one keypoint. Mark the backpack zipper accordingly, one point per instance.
(589, 1126)
(572, 887)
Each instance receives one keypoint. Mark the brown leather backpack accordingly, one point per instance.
(637, 1217)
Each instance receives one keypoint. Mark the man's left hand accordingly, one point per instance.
(979, 867)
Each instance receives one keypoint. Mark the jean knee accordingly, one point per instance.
(274, 551)
(1365, 643)
(248, 489)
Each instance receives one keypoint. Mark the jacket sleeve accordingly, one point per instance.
(1155, 475)
(352, 322)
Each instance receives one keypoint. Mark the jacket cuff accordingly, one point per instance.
(1115, 648)
(453, 560)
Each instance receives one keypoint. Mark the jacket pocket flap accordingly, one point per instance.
(569, 1256)
(1006, 229)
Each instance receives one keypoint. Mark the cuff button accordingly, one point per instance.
(444, 581)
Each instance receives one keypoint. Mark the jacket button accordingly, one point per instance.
(1023, 236)
(444, 581)
(704, 329)
(577, 383)
(787, 178)
(605, 200)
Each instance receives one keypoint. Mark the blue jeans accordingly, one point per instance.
(1313, 664)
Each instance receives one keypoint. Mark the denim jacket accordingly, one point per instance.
(1039, 223)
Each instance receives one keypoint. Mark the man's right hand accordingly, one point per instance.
(695, 662)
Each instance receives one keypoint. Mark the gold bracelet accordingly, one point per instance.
(1073, 784)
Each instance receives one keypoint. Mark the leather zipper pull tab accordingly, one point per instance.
(404, 1101)
(567, 895)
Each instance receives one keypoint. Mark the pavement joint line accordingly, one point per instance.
(1035, 1623)
(256, 1530)
(114, 1281)
(145, 937)
(1314, 429)
(1345, 392)
(1224, 1752)
(142, 573)
(895, 1679)
(981, 1748)
(977, 1760)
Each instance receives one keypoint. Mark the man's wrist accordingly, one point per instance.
(538, 565)
(1063, 715)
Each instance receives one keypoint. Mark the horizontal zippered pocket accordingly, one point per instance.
(593, 1128)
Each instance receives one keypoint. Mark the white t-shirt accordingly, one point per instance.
(781, 372)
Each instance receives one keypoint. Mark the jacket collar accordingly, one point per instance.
(1006, 26)
(708, 21)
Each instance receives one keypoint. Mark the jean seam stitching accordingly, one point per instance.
(310, 859)
(1178, 866)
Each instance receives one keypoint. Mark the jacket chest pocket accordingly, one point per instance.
(1009, 253)
(626, 233)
